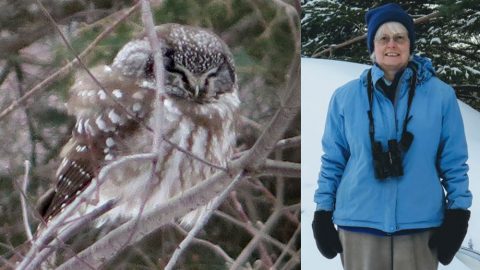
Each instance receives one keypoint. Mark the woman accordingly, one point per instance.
(394, 144)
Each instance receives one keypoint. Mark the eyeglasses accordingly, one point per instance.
(397, 38)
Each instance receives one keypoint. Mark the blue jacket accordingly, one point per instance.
(435, 161)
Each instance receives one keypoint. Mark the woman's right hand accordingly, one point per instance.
(326, 236)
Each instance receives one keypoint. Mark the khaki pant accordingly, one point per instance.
(363, 251)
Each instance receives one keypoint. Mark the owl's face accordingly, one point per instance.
(198, 65)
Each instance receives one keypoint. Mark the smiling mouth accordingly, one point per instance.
(392, 54)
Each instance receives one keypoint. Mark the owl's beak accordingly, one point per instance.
(197, 91)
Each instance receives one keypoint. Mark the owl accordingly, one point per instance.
(200, 111)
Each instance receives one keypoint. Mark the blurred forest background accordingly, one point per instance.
(450, 37)
(263, 36)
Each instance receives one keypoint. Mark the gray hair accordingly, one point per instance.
(389, 27)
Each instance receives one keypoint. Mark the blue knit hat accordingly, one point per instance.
(388, 13)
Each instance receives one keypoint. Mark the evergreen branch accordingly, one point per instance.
(334, 47)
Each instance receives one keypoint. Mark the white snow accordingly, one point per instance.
(474, 71)
(435, 40)
(319, 79)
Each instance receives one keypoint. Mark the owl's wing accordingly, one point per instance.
(102, 120)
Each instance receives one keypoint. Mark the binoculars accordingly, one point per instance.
(389, 163)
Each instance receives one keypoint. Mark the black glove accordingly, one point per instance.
(325, 234)
(449, 237)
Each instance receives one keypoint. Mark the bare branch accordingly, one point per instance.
(254, 231)
(288, 143)
(267, 140)
(292, 262)
(288, 248)
(242, 258)
(281, 144)
(79, 60)
(54, 226)
(207, 244)
(5, 71)
(108, 246)
(202, 222)
(234, 33)
(12, 44)
(281, 168)
(261, 247)
(247, 121)
(68, 233)
(156, 45)
(195, 157)
(26, 223)
(68, 67)
(158, 110)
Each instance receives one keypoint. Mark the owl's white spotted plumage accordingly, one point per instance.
(199, 116)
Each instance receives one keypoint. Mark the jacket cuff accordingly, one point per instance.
(322, 207)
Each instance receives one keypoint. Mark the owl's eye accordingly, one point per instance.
(149, 70)
(168, 63)
(168, 60)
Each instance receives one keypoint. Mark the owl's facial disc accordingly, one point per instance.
(205, 87)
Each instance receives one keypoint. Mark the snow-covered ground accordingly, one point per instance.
(319, 79)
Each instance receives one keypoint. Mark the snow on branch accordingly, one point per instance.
(334, 47)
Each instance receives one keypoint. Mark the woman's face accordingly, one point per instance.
(392, 48)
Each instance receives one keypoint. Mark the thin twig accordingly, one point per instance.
(213, 247)
(289, 143)
(192, 155)
(68, 67)
(26, 223)
(68, 233)
(6, 264)
(253, 231)
(54, 226)
(156, 45)
(202, 222)
(242, 258)
(279, 187)
(247, 121)
(294, 260)
(280, 121)
(245, 218)
(287, 248)
(158, 110)
(281, 168)
(79, 60)
(149, 261)
(5, 71)
(281, 144)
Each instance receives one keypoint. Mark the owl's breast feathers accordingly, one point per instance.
(105, 131)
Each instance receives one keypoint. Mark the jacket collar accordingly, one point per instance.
(424, 71)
